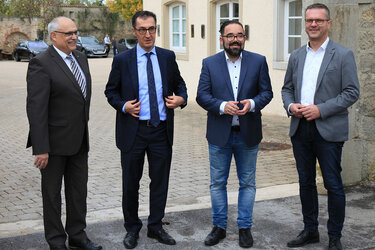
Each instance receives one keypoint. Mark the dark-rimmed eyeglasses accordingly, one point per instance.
(68, 34)
(317, 21)
(231, 37)
(143, 31)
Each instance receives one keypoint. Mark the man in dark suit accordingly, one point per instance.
(234, 86)
(141, 87)
(320, 84)
(58, 102)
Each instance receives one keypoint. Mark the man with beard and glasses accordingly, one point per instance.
(234, 86)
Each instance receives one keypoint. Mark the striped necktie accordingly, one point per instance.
(77, 74)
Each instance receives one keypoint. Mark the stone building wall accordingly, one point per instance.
(89, 21)
(353, 26)
(365, 121)
(13, 30)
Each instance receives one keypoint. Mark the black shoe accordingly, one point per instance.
(215, 236)
(245, 238)
(130, 240)
(85, 244)
(305, 237)
(162, 236)
(58, 248)
(334, 244)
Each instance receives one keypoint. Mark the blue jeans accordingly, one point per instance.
(220, 159)
(308, 146)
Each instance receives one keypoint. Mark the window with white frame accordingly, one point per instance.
(293, 26)
(225, 11)
(177, 24)
(288, 26)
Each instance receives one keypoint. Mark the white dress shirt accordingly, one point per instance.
(234, 69)
(311, 69)
(68, 62)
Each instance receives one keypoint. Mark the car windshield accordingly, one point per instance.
(39, 46)
(131, 42)
(89, 40)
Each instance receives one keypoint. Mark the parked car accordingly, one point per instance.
(91, 46)
(126, 43)
(28, 49)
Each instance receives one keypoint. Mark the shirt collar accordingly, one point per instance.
(141, 52)
(62, 54)
(323, 46)
(227, 58)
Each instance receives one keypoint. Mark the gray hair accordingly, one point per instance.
(54, 24)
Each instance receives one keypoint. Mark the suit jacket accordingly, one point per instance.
(337, 88)
(215, 87)
(123, 86)
(57, 111)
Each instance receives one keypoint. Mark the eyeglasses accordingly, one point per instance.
(143, 31)
(68, 34)
(231, 37)
(317, 21)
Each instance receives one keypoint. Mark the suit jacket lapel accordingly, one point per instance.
(133, 71)
(244, 64)
(223, 67)
(60, 62)
(163, 70)
(326, 60)
(301, 64)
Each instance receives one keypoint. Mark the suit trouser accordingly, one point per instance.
(308, 146)
(74, 170)
(154, 142)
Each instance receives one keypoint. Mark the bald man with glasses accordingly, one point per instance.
(58, 102)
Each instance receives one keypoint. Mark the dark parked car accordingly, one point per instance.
(28, 49)
(126, 43)
(91, 46)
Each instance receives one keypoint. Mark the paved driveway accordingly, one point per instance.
(20, 198)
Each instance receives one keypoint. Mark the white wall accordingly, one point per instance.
(258, 14)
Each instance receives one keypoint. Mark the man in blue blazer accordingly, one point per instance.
(320, 84)
(234, 86)
(145, 86)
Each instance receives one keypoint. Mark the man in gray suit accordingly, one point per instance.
(320, 84)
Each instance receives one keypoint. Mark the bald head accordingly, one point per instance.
(63, 33)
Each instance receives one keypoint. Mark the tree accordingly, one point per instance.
(127, 8)
(4, 8)
(50, 10)
(84, 2)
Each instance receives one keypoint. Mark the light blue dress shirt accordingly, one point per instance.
(144, 113)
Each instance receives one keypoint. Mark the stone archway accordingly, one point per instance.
(11, 41)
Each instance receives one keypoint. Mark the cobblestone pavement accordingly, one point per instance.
(20, 197)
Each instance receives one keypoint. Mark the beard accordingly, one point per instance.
(234, 52)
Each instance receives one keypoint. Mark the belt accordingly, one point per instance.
(235, 128)
(148, 123)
